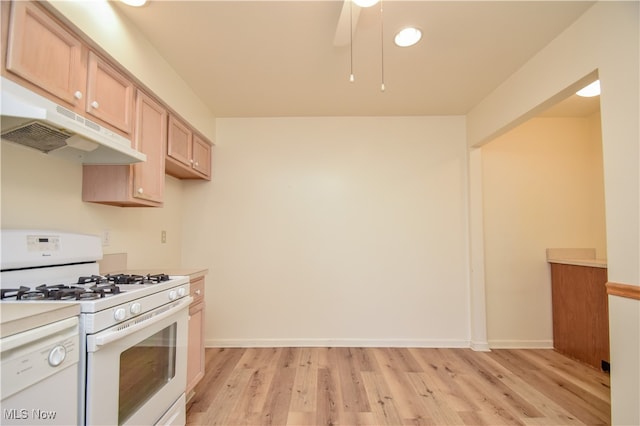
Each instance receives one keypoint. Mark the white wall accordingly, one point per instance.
(543, 187)
(605, 39)
(44, 192)
(344, 231)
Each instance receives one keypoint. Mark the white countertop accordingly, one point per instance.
(575, 256)
(19, 316)
(594, 263)
(116, 263)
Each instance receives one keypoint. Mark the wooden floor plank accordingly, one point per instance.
(327, 398)
(220, 363)
(354, 396)
(443, 379)
(305, 384)
(381, 400)
(434, 401)
(397, 386)
(251, 404)
(276, 406)
(585, 406)
(490, 374)
(395, 365)
(227, 398)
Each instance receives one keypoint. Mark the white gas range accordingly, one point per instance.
(132, 329)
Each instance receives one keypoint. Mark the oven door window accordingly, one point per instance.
(144, 369)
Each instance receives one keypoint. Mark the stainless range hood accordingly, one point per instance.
(32, 120)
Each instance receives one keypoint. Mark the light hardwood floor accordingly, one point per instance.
(397, 386)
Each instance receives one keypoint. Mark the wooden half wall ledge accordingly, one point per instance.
(623, 290)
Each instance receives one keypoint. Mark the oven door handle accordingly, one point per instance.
(133, 325)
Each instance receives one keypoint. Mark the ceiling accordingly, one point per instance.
(279, 58)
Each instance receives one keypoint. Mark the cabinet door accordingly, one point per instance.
(579, 305)
(109, 94)
(179, 143)
(44, 53)
(201, 155)
(195, 357)
(150, 139)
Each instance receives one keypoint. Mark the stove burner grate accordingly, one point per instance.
(136, 279)
(91, 279)
(87, 287)
(10, 293)
(61, 292)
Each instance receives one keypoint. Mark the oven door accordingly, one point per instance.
(136, 371)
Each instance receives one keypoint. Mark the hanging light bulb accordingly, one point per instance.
(381, 50)
(351, 76)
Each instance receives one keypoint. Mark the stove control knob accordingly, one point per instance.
(182, 292)
(135, 308)
(57, 355)
(119, 314)
(172, 295)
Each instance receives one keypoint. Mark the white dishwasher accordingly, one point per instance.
(39, 367)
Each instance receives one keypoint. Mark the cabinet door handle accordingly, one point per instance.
(95, 104)
(140, 191)
(198, 292)
(78, 94)
(196, 164)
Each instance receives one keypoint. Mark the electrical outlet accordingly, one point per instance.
(163, 237)
(106, 238)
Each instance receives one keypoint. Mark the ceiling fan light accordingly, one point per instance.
(134, 3)
(365, 3)
(408, 37)
(590, 91)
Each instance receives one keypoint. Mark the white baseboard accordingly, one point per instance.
(521, 344)
(480, 346)
(362, 343)
(379, 343)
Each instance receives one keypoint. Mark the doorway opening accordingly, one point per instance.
(543, 187)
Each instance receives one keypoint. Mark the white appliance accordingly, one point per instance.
(32, 120)
(36, 364)
(133, 328)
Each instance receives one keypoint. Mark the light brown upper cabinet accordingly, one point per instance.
(139, 184)
(201, 155)
(109, 94)
(45, 53)
(151, 139)
(56, 62)
(188, 153)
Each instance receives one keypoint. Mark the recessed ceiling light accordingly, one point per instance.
(135, 3)
(408, 37)
(365, 3)
(590, 91)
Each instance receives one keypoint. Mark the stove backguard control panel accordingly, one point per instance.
(43, 243)
(38, 248)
